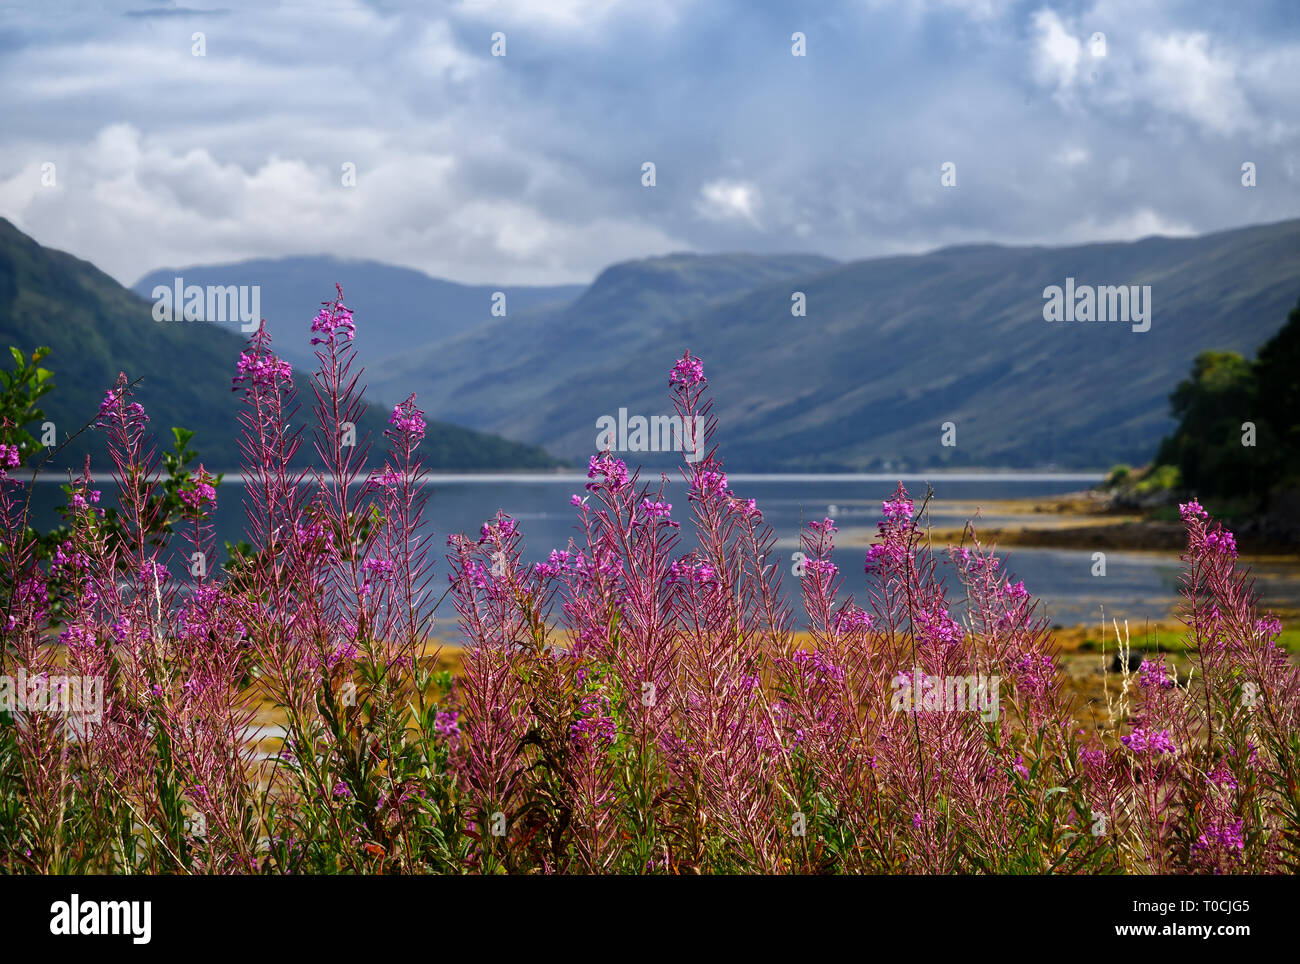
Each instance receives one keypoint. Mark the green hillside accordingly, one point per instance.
(890, 349)
(403, 307)
(96, 328)
(529, 376)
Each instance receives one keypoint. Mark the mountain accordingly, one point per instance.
(96, 328)
(530, 376)
(890, 349)
(403, 307)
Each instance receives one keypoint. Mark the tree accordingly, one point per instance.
(1278, 376)
(1224, 392)
(19, 391)
(1210, 407)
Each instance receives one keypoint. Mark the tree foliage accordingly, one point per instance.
(1217, 406)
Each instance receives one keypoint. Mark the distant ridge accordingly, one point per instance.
(890, 349)
(403, 307)
(96, 328)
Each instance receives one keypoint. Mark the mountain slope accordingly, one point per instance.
(890, 349)
(96, 328)
(404, 307)
(895, 348)
(519, 373)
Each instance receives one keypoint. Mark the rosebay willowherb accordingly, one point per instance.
(628, 706)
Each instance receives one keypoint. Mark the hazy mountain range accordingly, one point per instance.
(886, 352)
(889, 350)
(96, 328)
(399, 308)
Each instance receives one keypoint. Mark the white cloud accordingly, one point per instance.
(1056, 54)
(1152, 62)
(1073, 156)
(138, 203)
(1142, 223)
(729, 200)
(979, 10)
(1182, 76)
(567, 15)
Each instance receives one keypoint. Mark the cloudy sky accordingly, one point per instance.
(527, 168)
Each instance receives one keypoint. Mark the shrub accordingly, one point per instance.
(1161, 478)
(1118, 475)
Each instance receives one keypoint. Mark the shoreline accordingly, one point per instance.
(1078, 520)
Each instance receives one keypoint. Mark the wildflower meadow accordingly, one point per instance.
(644, 702)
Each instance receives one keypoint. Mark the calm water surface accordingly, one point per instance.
(1137, 585)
